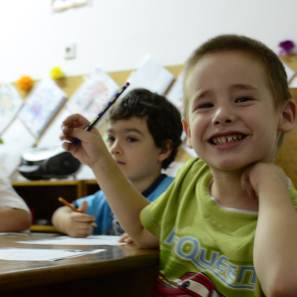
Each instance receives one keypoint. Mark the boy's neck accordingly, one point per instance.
(227, 190)
(141, 184)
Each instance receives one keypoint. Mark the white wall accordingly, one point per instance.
(118, 34)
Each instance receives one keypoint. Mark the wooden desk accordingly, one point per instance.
(120, 271)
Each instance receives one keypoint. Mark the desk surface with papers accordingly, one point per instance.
(123, 270)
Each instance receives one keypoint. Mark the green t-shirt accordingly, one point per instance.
(198, 235)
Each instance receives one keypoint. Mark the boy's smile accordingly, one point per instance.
(133, 148)
(232, 121)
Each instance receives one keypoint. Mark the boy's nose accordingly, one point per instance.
(115, 149)
(223, 116)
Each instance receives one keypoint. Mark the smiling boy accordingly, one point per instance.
(143, 136)
(224, 226)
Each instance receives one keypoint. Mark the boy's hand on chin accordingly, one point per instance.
(261, 174)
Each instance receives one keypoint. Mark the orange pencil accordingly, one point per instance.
(73, 208)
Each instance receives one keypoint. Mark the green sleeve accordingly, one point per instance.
(152, 215)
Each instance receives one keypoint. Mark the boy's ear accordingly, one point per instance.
(165, 150)
(288, 116)
(188, 133)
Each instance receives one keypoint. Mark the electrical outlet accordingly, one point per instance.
(69, 51)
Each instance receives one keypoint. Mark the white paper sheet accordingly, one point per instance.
(16, 139)
(21, 254)
(90, 240)
(289, 71)
(51, 136)
(175, 94)
(293, 83)
(14, 233)
(41, 105)
(10, 103)
(93, 95)
(151, 75)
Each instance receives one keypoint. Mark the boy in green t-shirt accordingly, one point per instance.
(225, 226)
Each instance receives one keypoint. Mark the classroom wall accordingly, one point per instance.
(117, 35)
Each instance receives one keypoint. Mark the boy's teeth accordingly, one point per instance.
(223, 139)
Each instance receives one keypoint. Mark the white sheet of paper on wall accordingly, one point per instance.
(175, 94)
(41, 105)
(16, 138)
(51, 136)
(151, 75)
(293, 83)
(10, 104)
(289, 71)
(92, 95)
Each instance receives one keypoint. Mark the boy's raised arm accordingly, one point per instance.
(125, 201)
(275, 243)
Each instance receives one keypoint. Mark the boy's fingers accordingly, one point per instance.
(123, 237)
(81, 232)
(76, 119)
(65, 146)
(84, 207)
(129, 240)
(81, 134)
(81, 217)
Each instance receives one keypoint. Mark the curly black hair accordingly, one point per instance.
(162, 117)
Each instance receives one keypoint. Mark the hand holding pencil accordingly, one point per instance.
(77, 129)
(103, 111)
(74, 209)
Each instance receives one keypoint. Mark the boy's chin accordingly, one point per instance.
(230, 166)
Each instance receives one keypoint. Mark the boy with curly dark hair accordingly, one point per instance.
(143, 136)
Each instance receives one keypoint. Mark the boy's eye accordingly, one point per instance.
(110, 139)
(131, 139)
(206, 105)
(243, 99)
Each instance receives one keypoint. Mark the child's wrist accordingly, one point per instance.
(102, 163)
(271, 191)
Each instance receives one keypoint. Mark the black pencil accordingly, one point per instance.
(102, 112)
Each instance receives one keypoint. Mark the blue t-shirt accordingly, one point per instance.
(105, 220)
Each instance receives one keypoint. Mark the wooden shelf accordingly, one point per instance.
(42, 197)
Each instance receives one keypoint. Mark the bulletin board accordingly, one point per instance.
(287, 155)
(70, 84)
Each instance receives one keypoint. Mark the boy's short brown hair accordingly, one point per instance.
(162, 117)
(274, 69)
